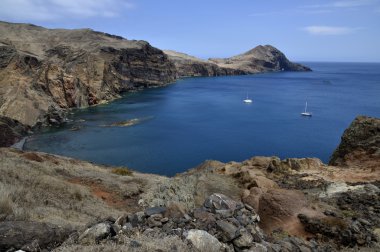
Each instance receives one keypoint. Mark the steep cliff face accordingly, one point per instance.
(360, 144)
(260, 59)
(44, 72)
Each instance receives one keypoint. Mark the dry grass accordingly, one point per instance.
(122, 171)
(124, 243)
(37, 186)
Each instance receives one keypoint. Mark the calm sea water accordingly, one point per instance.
(196, 119)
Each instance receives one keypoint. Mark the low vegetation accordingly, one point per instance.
(122, 171)
(62, 191)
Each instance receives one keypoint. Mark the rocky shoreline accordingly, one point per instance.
(260, 204)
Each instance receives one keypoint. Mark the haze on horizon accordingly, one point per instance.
(321, 30)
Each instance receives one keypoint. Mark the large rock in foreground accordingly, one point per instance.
(360, 144)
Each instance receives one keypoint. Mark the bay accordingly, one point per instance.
(177, 127)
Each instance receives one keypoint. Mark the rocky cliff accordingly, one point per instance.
(260, 59)
(360, 144)
(43, 72)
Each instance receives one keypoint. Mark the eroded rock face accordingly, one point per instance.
(11, 131)
(44, 72)
(360, 144)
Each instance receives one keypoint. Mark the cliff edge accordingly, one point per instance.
(360, 144)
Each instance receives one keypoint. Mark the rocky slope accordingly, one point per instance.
(260, 204)
(189, 66)
(260, 59)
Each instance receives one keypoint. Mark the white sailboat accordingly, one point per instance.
(306, 113)
(247, 100)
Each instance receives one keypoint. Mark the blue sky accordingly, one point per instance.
(320, 30)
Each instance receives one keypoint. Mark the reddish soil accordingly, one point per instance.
(110, 197)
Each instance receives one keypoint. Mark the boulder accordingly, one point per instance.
(203, 241)
(253, 198)
(279, 207)
(219, 203)
(244, 240)
(96, 233)
(31, 236)
(227, 230)
(154, 210)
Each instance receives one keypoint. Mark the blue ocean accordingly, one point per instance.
(174, 128)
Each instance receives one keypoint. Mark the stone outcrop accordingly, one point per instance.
(43, 72)
(11, 131)
(31, 236)
(260, 59)
(360, 144)
(220, 224)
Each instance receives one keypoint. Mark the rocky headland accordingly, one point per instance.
(49, 202)
(45, 72)
(260, 59)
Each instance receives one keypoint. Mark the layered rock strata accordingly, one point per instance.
(44, 72)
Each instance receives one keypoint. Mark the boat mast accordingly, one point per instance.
(305, 107)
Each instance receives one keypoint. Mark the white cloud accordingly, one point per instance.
(289, 12)
(329, 30)
(353, 3)
(37, 10)
(342, 5)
